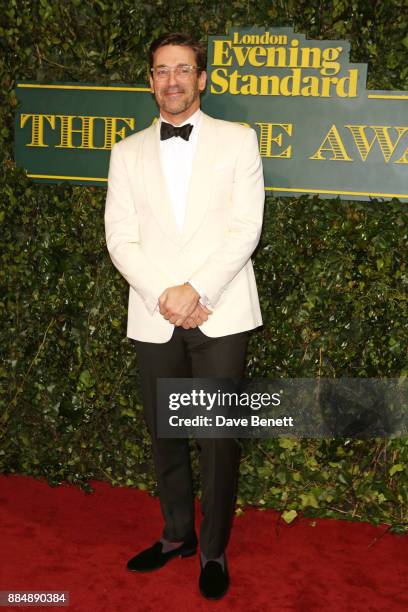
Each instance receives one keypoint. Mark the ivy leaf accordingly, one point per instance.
(308, 499)
(398, 467)
(86, 379)
(288, 443)
(289, 516)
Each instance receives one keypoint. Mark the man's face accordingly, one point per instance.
(177, 97)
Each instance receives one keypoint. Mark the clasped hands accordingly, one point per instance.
(180, 306)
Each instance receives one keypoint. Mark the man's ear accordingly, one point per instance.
(202, 80)
(151, 83)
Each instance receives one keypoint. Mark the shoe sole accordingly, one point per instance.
(215, 598)
(185, 553)
(188, 553)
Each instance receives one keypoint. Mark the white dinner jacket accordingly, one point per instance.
(221, 230)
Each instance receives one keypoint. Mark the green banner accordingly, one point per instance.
(319, 129)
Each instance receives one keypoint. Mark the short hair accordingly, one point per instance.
(183, 40)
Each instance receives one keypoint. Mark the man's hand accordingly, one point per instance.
(197, 317)
(177, 303)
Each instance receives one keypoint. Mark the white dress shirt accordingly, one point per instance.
(177, 161)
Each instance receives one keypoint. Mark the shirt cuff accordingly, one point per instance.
(203, 298)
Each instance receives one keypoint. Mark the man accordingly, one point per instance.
(183, 216)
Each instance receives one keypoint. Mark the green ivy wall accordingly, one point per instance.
(332, 275)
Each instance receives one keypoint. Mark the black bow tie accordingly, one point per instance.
(168, 131)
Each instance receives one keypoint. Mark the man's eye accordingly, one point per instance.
(161, 72)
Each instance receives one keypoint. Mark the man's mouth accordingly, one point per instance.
(173, 93)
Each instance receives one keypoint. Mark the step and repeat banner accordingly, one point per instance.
(319, 129)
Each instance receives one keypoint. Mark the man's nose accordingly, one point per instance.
(172, 78)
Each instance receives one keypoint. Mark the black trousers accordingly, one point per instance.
(189, 353)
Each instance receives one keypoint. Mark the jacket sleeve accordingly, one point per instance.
(244, 231)
(123, 237)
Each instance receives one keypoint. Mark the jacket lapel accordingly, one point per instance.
(155, 184)
(199, 191)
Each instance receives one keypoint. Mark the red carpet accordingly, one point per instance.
(64, 539)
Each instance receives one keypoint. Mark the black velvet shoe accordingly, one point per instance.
(214, 581)
(153, 558)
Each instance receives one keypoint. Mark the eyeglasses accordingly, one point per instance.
(182, 71)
